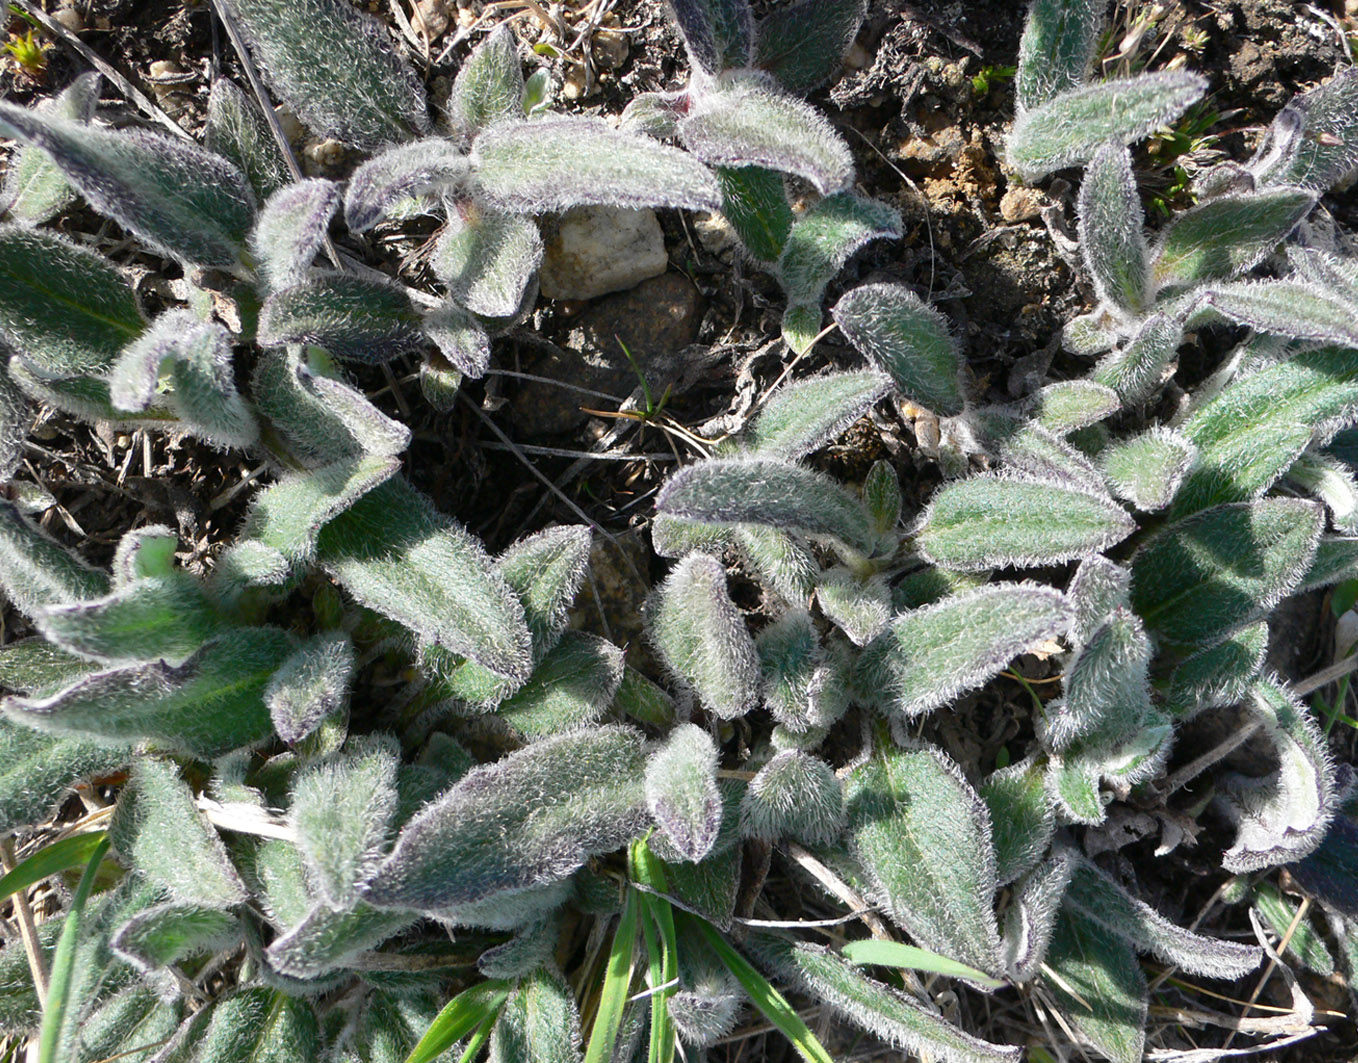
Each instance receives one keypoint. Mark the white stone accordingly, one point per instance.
(593, 250)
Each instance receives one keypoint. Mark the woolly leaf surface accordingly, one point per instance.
(289, 514)
(37, 571)
(1022, 819)
(803, 43)
(754, 201)
(1285, 308)
(539, 1022)
(463, 345)
(1313, 141)
(311, 685)
(1099, 985)
(861, 608)
(167, 933)
(1059, 45)
(489, 85)
(291, 228)
(327, 940)
(824, 237)
(359, 318)
(1031, 916)
(794, 795)
(572, 686)
(35, 190)
(1147, 469)
(801, 686)
(681, 791)
(1138, 369)
(1220, 675)
(379, 186)
(1107, 692)
(1332, 482)
(238, 132)
(255, 1025)
(486, 258)
(1068, 405)
(807, 414)
(37, 771)
(1110, 226)
(718, 34)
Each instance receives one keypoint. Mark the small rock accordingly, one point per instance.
(594, 250)
(435, 16)
(70, 17)
(1021, 204)
(610, 48)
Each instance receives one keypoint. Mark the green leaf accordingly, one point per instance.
(1147, 469)
(289, 514)
(50, 860)
(359, 318)
(39, 770)
(1226, 236)
(742, 121)
(1095, 978)
(394, 553)
(254, 1025)
(561, 162)
(530, 819)
(1031, 916)
(861, 608)
(1074, 788)
(237, 131)
(335, 69)
(290, 230)
(805, 415)
(1029, 452)
(1336, 558)
(572, 686)
(1021, 816)
(885, 1012)
(130, 1026)
(328, 940)
(35, 190)
(538, 1022)
(1137, 370)
(701, 636)
(923, 836)
(778, 558)
(882, 497)
(1200, 579)
(754, 201)
(183, 201)
(459, 1017)
(1112, 243)
(794, 795)
(802, 687)
(1312, 140)
(487, 258)
(488, 87)
(769, 492)
(935, 654)
(824, 236)
(311, 686)
(1304, 942)
(1220, 675)
(1284, 308)
(380, 187)
(36, 571)
(1069, 405)
(211, 704)
(681, 791)
(167, 933)
(65, 311)
(718, 34)
(1332, 482)
(1070, 128)
(1059, 45)
(1107, 692)
(870, 952)
(802, 44)
(33, 664)
(991, 521)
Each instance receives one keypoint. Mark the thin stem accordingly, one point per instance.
(28, 927)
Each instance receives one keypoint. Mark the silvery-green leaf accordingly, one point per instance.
(255, 1025)
(1283, 816)
(129, 1025)
(778, 558)
(528, 820)
(1098, 587)
(36, 571)
(1107, 692)
(211, 704)
(439, 381)
(1101, 900)
(1059, 45)
(718, 34)
(167, 933)
(807, 414)
(1284, 307)
(861, 608)
(891, 326)
(539, 1022)
(35, 190)
(460, 338)
(33, 664)
(644, 701)
(1021, 816)
(1073, 125)
(488, 87)
(654, 113)
(885, 1012)
(360, 318)
(162, 617)
(1089, 334)
(1074, 789)
(323, 419)
(1136, 758)
(1033, 907)
(157, 830)
(311, 685)
(712, 885)
(744, 121)
(701, 636)
(37, 771)
(291, 229)
(16, 418)
(1226, 236)
(561, 162)
(681, 791)
(769, 492)
(882, 497)
(394, 553)
(1137, 370)
(1313, 141)
(184, 364)
(144, 553)
(802, 43)
(486, 257)
(1331, 482)
(1339, 273)
(1198, 580)
(1221, 675)
(341, 810)
(1303, 942)
(1097, 981)
(1029, 451)
(1336, 558)
(335, 69)
(675, 536)
(935, 654)
(1072, 404)
(328, 939)
(529, 950)
(83, 397)
(381, 184)
(1112, 241)
(571, 687)
(1147, 469)
(923, 835)
(824, 236)
(185, 202)
(802, 688)
(754, 201)
(706, 1005)
(238, 131)
(927, 584)
(794, 795)
(990, 521)
(289, 514)
(65, 311)
(277, 878)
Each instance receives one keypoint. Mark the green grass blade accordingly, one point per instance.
(768, 1000)
(603, 1036)
(893, 954)
(465, 1014)
(478, 1040)
(50, 860)
(657, 924)
(59, 982)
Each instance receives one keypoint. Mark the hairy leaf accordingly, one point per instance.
(167, 933)
(335, 69)
(255, 1025)
(183, 201)
(1112, 242)
(486, 258)
(1059, 45)
(539, 1022)
(754, 201)
(35, 191)
(36, 571)
(381, 184)
(1072, 126)
(718, 34)
(1107, 693)
(1336, 558)
(1031, 917)
(1147, 469)
(37, 771)
(288, 515)
(571, 687)
(1331, 482)
(861, 608)
(1069, 405)
(1304, 943)
(802, 687)
(562, 162)
(1021, 816)
(1285, 308)
(291, 229)
(488, 87)
(359, 318)
(681, 791)
(327, 940)
(1099, 985)
(1313, 141)
(1138, 369)
(802, 43)
(238, 132)
(807, 414)
(794, 795)
(778, 558)
(311, 685)
(1220, 675)
(461, 340)
(824, 236)
(897, 330)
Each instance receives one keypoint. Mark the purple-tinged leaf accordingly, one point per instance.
(311, 686)
(681, 791)
(802, 44)
(291, 229)
(401, 173)
(359, 318)
(461, 340)
(488, 87)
